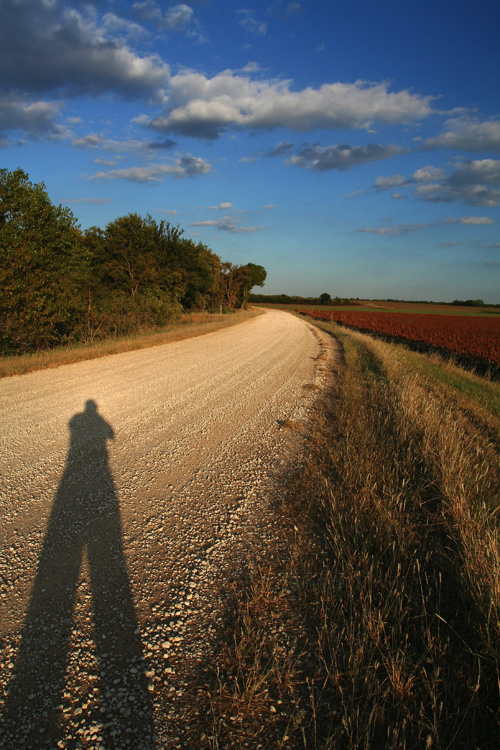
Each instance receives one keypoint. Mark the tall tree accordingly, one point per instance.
(231, 280)
(256, 277)
(128, 261)
(238, 281)
(42, 265)
(201, 270)
(189, 271)
(130, 288)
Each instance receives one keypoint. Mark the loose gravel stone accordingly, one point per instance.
(132, 486)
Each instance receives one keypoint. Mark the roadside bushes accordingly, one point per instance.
(118, 315)
(59, 285)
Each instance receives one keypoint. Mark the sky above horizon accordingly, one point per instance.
(349, 148)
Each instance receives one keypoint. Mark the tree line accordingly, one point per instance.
(286, 299)
(60, 285)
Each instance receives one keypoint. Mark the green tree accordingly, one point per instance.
(128, 263)
(325, 299)
(98, 313)
(58, 285)
(42, 267)
(130, 288)
(238, 281)
(258, 274)
(189, 271)
(250, 275)
(256, 277)
(168, 257)
(201, 268)
(230, 281)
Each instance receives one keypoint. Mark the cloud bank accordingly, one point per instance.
(466, 134)
(53, 50)
(476, 183)
(53, 47)
(35, 118)
(206, 107)
(320, 159)
(175, 18)
(185, 166)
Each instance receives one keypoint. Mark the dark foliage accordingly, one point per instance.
(59, 285)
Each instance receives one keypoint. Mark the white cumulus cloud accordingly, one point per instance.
(175, 18)
(476, 183)
(55, 47)
(467, 134)
(185, 166)
(428, 174)
(387, 183)
(35, 118)
(227, 224)
(204, 107)
(221, 206)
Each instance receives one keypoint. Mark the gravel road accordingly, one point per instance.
(130, 486)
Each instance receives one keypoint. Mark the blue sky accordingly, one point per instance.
(352, 148)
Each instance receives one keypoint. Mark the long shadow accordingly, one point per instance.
(85, 518)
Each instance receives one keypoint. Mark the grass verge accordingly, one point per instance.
(190, 325)
(379, 625)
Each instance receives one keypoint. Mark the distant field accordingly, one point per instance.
(428, 308)
(474, 340)
(421, 308)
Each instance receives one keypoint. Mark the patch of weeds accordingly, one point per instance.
(255, 687)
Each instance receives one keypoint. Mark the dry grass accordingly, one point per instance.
(255, 693)
(391, 608)
(189, 326)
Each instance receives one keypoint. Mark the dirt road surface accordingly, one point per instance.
(130, 486)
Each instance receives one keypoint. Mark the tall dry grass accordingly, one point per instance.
(409, 615)
(392, 573)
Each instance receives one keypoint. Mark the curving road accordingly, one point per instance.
(130, 486)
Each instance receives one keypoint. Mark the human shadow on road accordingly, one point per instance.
(113, 701)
